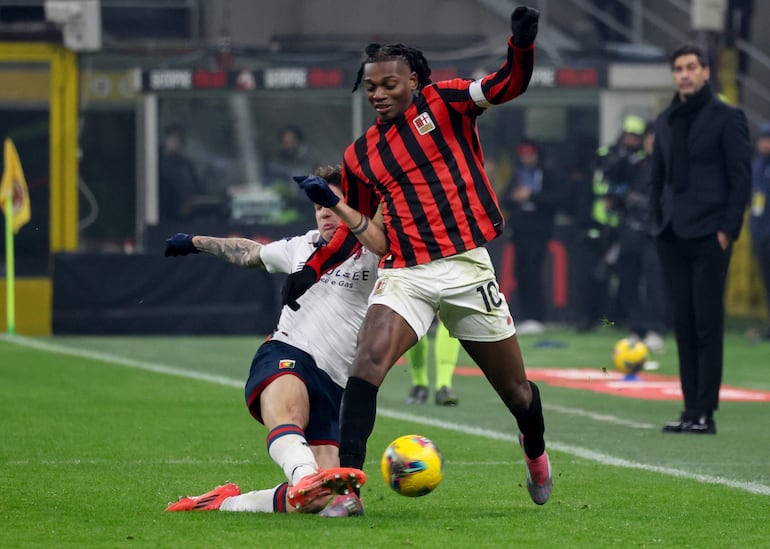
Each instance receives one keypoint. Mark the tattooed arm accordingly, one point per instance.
(239, 251)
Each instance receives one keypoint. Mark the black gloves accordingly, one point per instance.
(524, 26)
(295, 285)
(180, 244)
(317, 189)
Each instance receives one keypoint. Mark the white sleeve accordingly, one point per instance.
(289, 254)
(277, 256)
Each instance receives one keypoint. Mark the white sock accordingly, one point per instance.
(287, 446)
(257, 501)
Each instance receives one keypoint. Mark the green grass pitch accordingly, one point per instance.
(99, 434)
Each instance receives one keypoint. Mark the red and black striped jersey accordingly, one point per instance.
(427, 169)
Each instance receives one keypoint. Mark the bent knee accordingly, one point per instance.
(372, 366)
(370, 372)
(518, 396)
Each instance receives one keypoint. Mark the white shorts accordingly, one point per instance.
(462, 288)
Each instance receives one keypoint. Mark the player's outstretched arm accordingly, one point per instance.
(238, 251)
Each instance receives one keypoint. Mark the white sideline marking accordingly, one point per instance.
(101, 461)
(123, 361)
(577, 451)
(584, 453)
(597, 417)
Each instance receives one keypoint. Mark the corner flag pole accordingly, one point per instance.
(10, 292)
(14, 197)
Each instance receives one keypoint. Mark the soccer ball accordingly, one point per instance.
(412, 465)
(629, 355)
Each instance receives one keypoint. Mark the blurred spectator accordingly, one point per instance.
(619, 168)
(292, 158)
(531, 199)
(619, 160)
(182, 196)
(578, 209)
(759, 222)
(641, 286)
(615, 168)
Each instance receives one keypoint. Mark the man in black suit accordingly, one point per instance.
(700, 183)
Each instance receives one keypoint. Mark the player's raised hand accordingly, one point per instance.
(317, 189)
(180, 244)
(524, 26)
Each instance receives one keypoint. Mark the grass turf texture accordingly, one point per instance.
(94, 447)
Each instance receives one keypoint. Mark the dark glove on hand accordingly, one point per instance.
(317, 189)
(180, 244)
(524, 26)
(295, 285)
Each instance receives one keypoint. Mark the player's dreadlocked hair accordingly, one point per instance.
(385, 52)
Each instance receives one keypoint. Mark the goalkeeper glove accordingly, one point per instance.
(295, 285)
(180, 244)
(524, 26)
(317, 189)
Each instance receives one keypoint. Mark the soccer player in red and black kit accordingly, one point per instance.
(422, 162)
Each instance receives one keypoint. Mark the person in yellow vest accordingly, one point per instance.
(446, 350)
(640, 289)
(615, 168)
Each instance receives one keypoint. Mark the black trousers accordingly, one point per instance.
(641, 284)
(530, 250)
(592, 299)
(694, 273)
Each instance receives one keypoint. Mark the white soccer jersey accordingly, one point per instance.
(331, 311)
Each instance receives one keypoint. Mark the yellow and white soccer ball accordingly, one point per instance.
(629, 355)
(412, 465)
